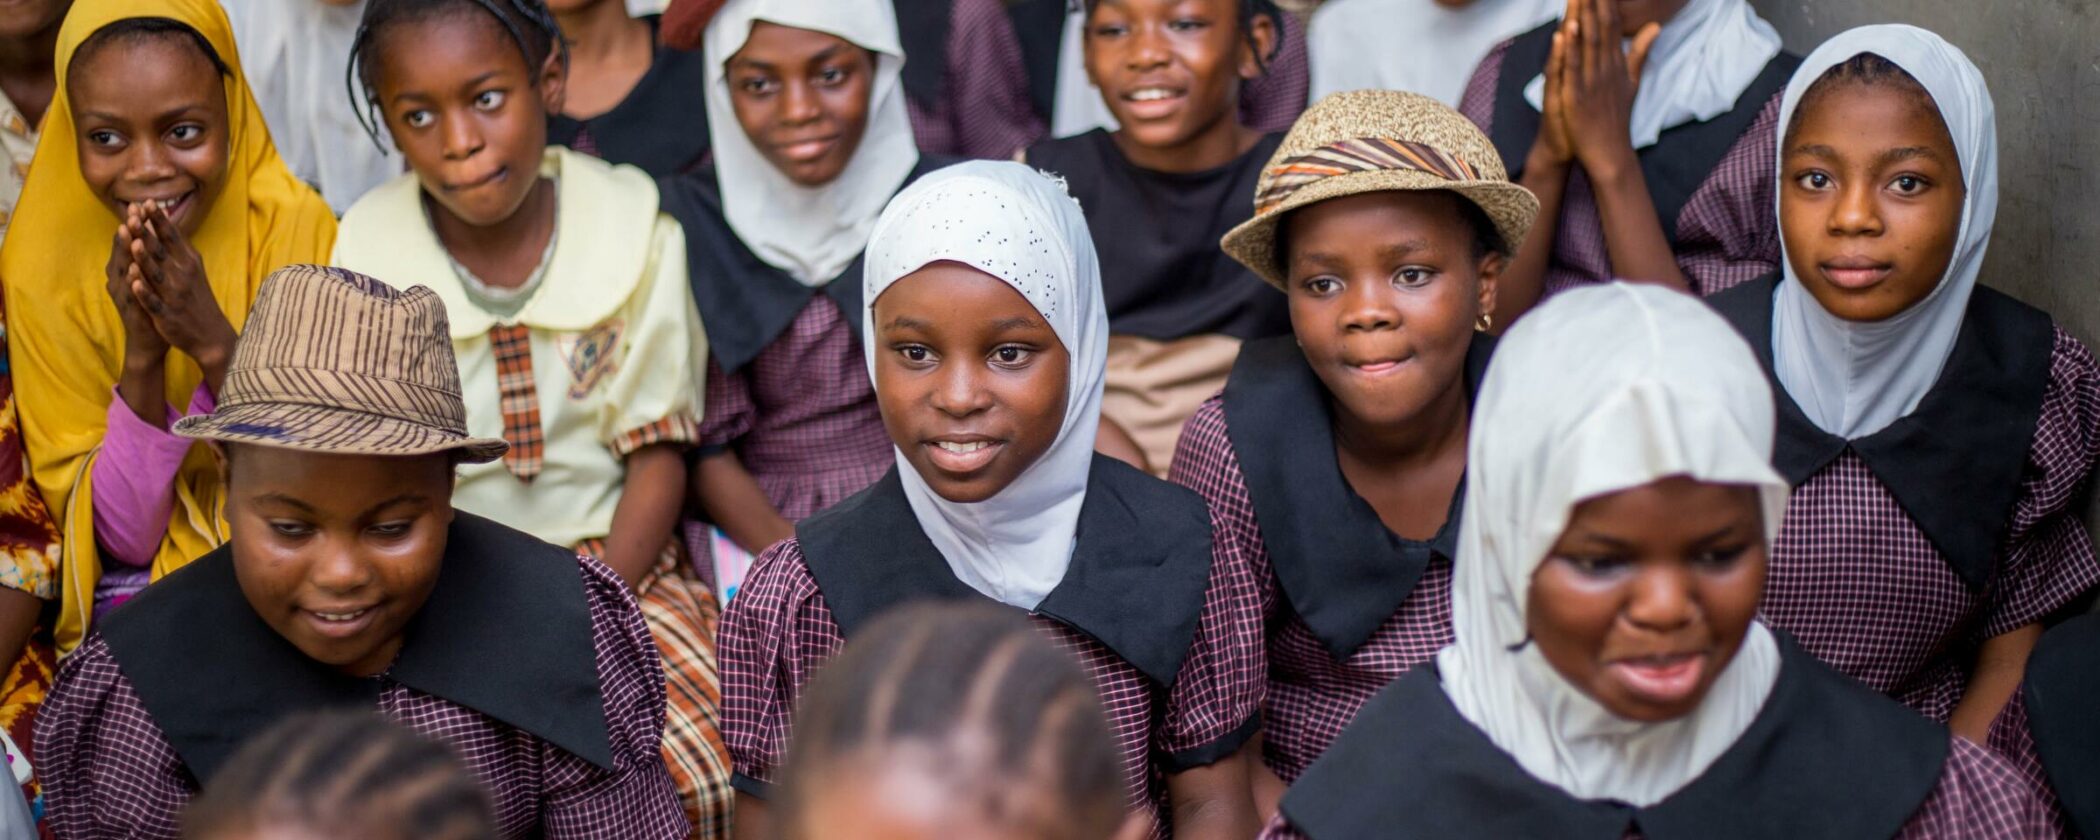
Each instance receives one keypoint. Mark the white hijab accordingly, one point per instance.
(812, 233)
(1018, 225)
(1854, 379)
(1351, 42)
(1600, 390)
(1076, 106)
(1701, 62)
(294, 52)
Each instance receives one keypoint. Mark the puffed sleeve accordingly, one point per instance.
(1204, 461)
(1214, 705)
(775, 633)
(1727, 232)
(2048, 559)
(654, 394)
(106, 769)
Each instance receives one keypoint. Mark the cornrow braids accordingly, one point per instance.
(530, 24)
(974, 698)
(141, 29)
(1868, 69)
(1247, 10)
(343, 774)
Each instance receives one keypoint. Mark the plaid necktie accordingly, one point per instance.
(520, 401)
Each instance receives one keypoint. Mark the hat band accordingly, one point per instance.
(1363, 154)
(435, 408)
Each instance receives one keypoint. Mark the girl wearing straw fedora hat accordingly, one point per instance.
(1333, 458)
(350, 580)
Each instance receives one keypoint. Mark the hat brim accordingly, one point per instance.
(334, 431)
(1253, 243)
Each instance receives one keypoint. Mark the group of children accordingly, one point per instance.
(608, 410)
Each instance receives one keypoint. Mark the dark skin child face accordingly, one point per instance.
(338, 552)
(1385, 290)
(970, 378)
(467, 111)
(1634, 14)
(151, 125)
(1870, 199)
(1648, 594)
(1171, 70)
(26, 18)
(802, 98)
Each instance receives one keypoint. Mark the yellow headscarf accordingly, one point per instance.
(67, 337)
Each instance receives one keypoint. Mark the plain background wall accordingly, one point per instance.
(2042, 61)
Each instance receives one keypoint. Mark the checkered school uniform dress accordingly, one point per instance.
(109, 772)
(1725, 234)
(1311, 694)
(780, 629)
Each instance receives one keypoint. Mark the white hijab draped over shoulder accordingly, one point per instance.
(812, 233)
(1701, 62)
(1854, 379)
(1600, 390)
(1016, 224)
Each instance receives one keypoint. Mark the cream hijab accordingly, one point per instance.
(1602, 389)
(1020, 226)
(1854, 379)
(812, 233)
(1701, 62)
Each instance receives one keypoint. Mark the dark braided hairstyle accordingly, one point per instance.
(975, 699)
(1248, 10)
(1867, 69)
(528, 22)
(142, 29)
(342, 774)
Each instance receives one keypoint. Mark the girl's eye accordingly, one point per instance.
(418, 119)
(1720, 559)
(1110, 30)
(289, 528)
(756, 86)
(489, 100)
(1187, 25)
(1322, 286)
(831, 76)
(103, 137)
(914, 353)
(186, 133)
(390, 530)
(1814, 180)
(1601, 566)
(1011, 355)
(1413, 275)
(1908, 184)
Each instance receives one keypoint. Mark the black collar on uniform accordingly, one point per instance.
(1040, 27)
(1682, 158)
(658, 127)
(507, 632)
(1136, 584)
(1825, 758)
(745, 302)
(2063, 682)
(1955, 463)
(1342, 571)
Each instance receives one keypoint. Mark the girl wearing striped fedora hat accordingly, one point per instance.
(350, 580)
(1334, 457)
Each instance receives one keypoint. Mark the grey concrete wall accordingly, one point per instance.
(2042, 61)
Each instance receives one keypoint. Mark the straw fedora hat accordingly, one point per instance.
(1373, 141)
(334, 361)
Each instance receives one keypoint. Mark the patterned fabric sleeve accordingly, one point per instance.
(1214, 706)
(1728, 232)
(1280, 829)
(988, 100)
(636, 798)
(1979, 796)
(106, 769)
(2011, 739)
(2048, 560)
(774, 634)
(654, 384)
(1205, 462)
(28, 537)
(729, 412)
(1272, 102)
(1478, 103)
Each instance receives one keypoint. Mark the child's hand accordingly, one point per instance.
(143, 344)
(1553, 148)
(173, 288)
(1601, 80)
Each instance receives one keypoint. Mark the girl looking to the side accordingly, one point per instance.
(156, 209)
(987, 343)
(1935, 431)
(569, 314)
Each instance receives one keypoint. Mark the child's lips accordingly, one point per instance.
(1152, 102)
(962, 456)
(1663, 680)
(1855, 274)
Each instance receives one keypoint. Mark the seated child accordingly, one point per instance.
(351, 580)
(1609, 677)
(986, 344)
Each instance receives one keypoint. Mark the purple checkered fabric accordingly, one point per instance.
(1271, 103)
(1979, 797)
(801, 417)
(778, 631)
(109, 773)
(1856, 582)
(1727, 232)
(1311, 696)
(2011, 738)
(986, 112)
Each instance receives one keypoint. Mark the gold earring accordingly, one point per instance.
(1487, 322)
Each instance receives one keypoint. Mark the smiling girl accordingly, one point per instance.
(1609, 678)
(1935, 431)
(157, 207)
(987, 343)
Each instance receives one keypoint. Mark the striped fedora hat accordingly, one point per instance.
(334, 361)
(1373, 141)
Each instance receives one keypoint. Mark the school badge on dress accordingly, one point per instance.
(590, 356)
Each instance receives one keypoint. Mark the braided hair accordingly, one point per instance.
(1866, 69)
(974, 699)
(529, 23)
(342, 774)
